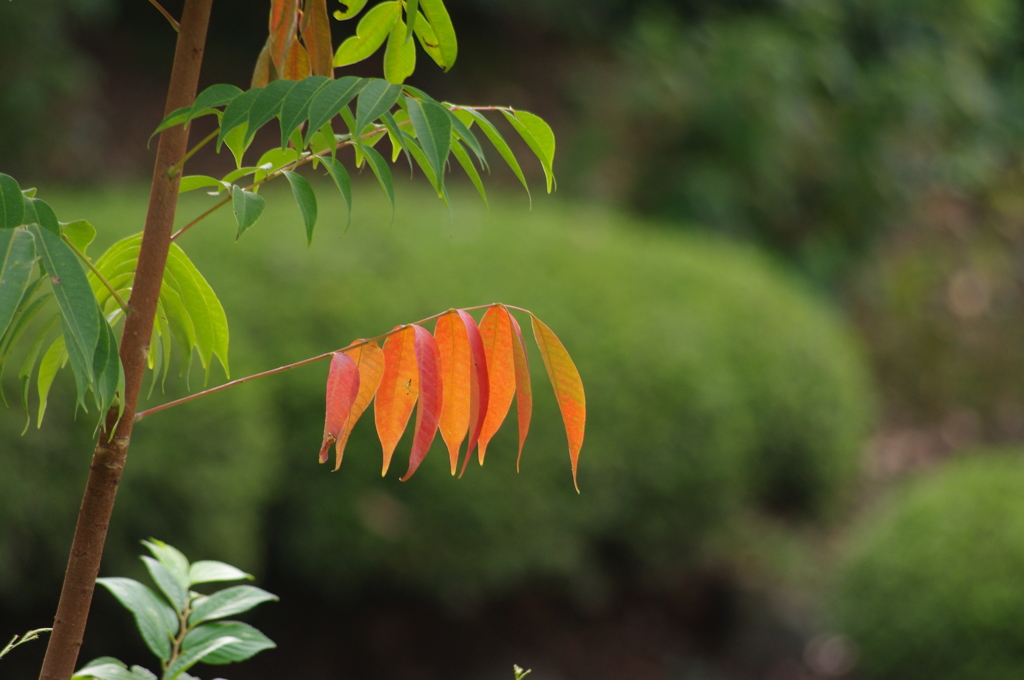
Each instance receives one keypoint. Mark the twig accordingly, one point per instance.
(176, 168)
(167, 15)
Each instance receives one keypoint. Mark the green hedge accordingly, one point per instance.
(714, 383)
(933, 586)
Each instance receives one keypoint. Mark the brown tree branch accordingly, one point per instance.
(112, 448)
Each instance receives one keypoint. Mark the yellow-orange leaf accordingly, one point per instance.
(524, 391)
(261, 74)
(342, 388)
(496, 332)
(565, 379)
(399, 387)
(428, 412)
(456, 377)
(316, 34)
(479, 385)
(296, 64)
(370, 361)
(283, 17)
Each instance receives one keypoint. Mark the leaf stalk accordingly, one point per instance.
(106, 284)
(173, 171)
(174, 23)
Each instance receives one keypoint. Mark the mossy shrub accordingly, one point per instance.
(933, 586)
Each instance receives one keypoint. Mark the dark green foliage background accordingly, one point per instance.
(931, 586)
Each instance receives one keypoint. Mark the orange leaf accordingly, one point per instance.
(456, 377)
(496, 332)
(524, 392)
(283, 17)
(370, 361)
(568, 388)
(479, 385)
(296, 64)
(428, 411)
(261, 74)
(316, 34)
(342, 388)
(398, 390)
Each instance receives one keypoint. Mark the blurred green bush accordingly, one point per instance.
(932, 586)
(716, 384)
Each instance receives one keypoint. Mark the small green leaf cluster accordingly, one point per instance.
(182, 628)
(39, 263)
(426, 131)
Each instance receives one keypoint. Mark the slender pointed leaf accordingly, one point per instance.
(262, 72)
(383, 172)
(330, 100)
(340, 176)
(283, 22)
(305, 199)
(461, 131)
(247, 207)
(237, 113)
(205, 310)
(411, 14)
(266, 106)
(48, 367)
(480, 388)
(428, 39)
(342, 390)
(296, 64)
(398, 142)
(196, 654)
(524, 390)
(565, 380)
(538, 136)
(215, 95)
(176, 117)
(193, 182)
(155, 619)
(168, 585)
(372, 31)
(25, 374)
(456, 376)
(295, 107)
(433, 131)
(496, 332)
(421, 160)
(106, 671)
(437, 16)
(467, 165)
(399, 388)
(431, 397)
(208, 571)
(107, 368)
(172, 558)
(499, 143)
(12, 203)
(399, 54)
(250, 641)
(377, 97)
(233, 600)
(370, 360)
(17, 260)
(316, 34)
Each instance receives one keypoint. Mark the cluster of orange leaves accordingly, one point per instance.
(464, 377)
(299, 44)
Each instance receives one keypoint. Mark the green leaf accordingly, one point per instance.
(460, 130)
(237, 113)
(80, 321)
(274, 160)
(39, 212)
(207, 571)
(295, 107)
(499, 143)
(197, 654)
(112, 670)
(411, 14)
(181, 326)
(169, 585)
(467, 165)
(377, 97)
(323, 141)
(372, 31)
(247, 206)
(107, 368)
(424, 164)
(353, 7)
(383, 172)
(80, 232)
(12, 203)
(267, 105)
(233, 600)
(204, 309)
(397, 138)
(250, 641)
(437, 16)
(17, 260)
(433, 131)
(25, 373)
(305, 199)
(172, 558)
(48, 367)
(538, 136)
(399, 54)
(235, 141)
(176, 117)
(235, 175)
(26, 310)
(340, 176)
(215, 95)
(329, 101)
(154, 618)
(428, 40)
(193, 182)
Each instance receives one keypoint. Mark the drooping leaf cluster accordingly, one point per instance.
(183, 627)
(463, 376)
(426, 131)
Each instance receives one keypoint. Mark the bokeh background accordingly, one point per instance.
(786, 252)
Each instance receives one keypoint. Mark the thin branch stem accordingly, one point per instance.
(167, 15)
(176, 168)
(94, 270)
(305, 362)
(200, 218)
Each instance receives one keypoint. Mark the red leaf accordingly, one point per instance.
(456, 377)
(370, 361)
(261, 74)
(479, 385)
(316, 34)
(342, 388)
(428, 412)
(524, 392)
(398, 390)
(565, 379)
(283, 17)
(296, 64)
(496, 331)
